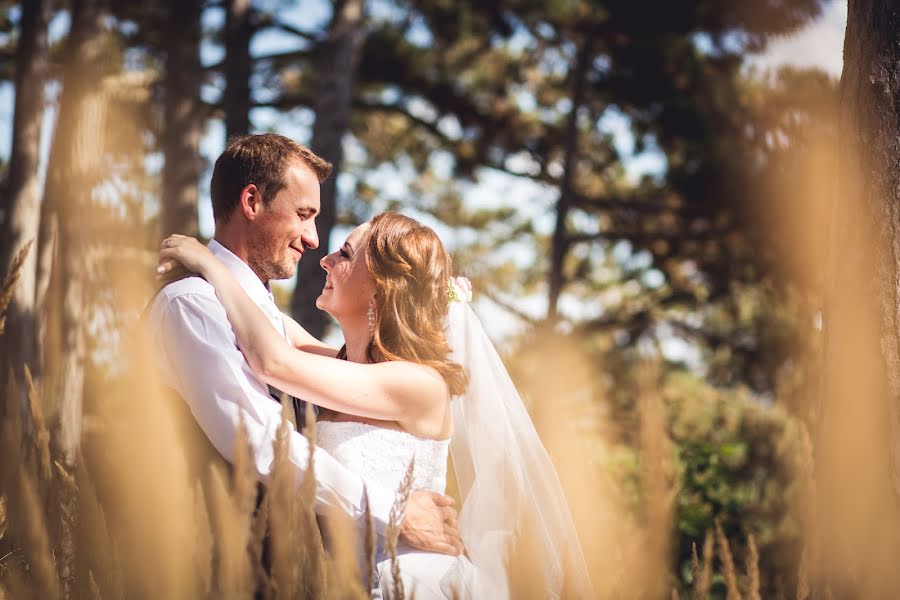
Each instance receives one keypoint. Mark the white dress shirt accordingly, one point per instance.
(200, 359)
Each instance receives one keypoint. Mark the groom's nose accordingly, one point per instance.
(310, 238)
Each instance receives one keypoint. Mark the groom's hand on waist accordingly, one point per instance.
(430, 523)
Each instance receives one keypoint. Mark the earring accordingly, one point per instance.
(370, 315)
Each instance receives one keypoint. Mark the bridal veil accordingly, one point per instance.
(510, 490)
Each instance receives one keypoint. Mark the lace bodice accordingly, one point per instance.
(382, 455)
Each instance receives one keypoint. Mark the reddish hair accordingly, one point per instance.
(412, 269)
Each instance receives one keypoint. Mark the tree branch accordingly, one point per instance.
(505, 305)
(270, 21)
(290, 54)
(398, 108)
(607, 203)
(286, 102)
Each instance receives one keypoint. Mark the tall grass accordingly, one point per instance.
(139, 515)
(9, 283)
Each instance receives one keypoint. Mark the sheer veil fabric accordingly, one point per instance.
(506, 479)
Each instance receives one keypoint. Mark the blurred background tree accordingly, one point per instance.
(513, 128)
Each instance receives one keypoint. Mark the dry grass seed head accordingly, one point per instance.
(9, 282)
(695, 564)
(703, 579)
(393, 529)
(35, 537)
(727, 564)
(41, 434)
(369, 540)
(231, 530)
(287, 551)
(752, 569)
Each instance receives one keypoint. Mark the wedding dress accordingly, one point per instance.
(383, 456)
(507, 482)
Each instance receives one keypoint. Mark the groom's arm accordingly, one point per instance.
(209, 372)
(303, 340)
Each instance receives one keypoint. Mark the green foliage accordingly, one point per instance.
(735, 460)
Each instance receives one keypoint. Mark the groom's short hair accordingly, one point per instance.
(262, 160)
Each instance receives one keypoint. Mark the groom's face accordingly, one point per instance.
(286, 226)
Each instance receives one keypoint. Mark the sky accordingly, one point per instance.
(820, 44)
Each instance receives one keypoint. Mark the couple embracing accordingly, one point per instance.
(417, 379)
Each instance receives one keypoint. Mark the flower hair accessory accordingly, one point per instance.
(459, 289)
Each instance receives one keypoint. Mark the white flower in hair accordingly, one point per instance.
(459, 289)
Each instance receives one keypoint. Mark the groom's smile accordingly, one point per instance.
(286, 226)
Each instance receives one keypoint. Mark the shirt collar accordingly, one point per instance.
(256, 289)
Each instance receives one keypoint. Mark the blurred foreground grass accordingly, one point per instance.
(147, 511)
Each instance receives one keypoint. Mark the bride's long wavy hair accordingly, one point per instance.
(412, 269)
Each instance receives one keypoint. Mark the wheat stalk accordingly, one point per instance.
(392, 534)
(231, 533)
(315, 568)
(2, 520)
(257, 542)
(93, 588)
(308, 488)
(752, 569)
(807, 473)
(243, 472)
(369, 540)
(205, 542)
(66, 490)
(282, 514)
(9, 282)
(727, 564)
(37, 547)
(41, 434)
(695, 565)
(703, 575)
(803, 578)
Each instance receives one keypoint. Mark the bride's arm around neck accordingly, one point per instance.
(413, 395)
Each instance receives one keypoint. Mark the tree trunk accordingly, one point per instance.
(183, 119)
(559, 243)
(870, 105)
(23, 194)
(76, 165)
(238, 31)
(858, 428)
(339, 57)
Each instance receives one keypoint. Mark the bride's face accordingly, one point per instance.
(348, 285)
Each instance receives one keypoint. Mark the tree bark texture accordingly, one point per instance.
(183, 119)
(238, 31)
(76, 165)
(870, 143)
(23, 194)
(858, 419)
(339, 57)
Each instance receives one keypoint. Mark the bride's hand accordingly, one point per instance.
(180, 255)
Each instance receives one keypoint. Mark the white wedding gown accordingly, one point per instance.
(382, 456)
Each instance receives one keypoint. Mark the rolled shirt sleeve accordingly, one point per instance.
(203, 363)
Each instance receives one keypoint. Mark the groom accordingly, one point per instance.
(265, 198)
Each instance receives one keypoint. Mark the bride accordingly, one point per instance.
(416, 380)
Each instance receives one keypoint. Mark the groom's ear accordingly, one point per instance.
(250, 202)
